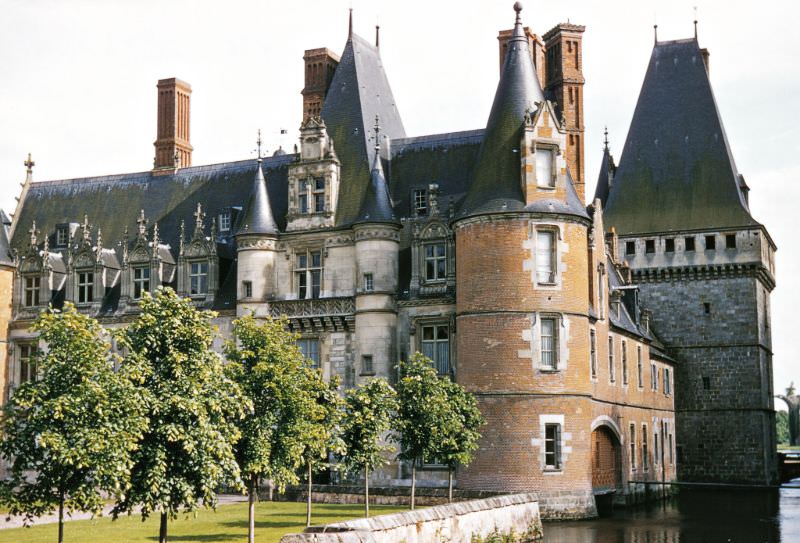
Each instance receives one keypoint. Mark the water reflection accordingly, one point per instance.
(695, 516)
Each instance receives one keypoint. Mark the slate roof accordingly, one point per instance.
(676, 171)
(258, 217)
(604, 179)
(358, 93)
(496, 185)
(377, 204)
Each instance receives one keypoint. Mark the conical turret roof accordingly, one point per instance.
(377, 204)
(258, 218)
(605, 179)
(497, 179)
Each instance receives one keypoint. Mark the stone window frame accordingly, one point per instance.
(419, 202)
(225, 220)
(367, 367)
(656, 447)
(311, 340)
(191, 274)
(436, 259)
(551, 365)
(687, 241)
(602, 291)
(710, 242)
(669, 245)
(562, 333)
(653, 376)
(61, 237)
(593, 354)
(557, 254)
(23, 363)
(624, 360)
(564, 449)
(83, 295)
(309, 252)
(630, 248)
(247, 289)
(35, 290)
(640, 367)
(730, 242)
(140, 281)
(667, 381)
(645, 449)
(632, 446)
(436, 323)
(553, 150)
(308, 191)
(369, 282)
(612, 371)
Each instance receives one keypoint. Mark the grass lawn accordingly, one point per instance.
(227, 524)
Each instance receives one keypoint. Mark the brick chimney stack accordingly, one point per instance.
(536, 46)
(173, 149)
(320, 65)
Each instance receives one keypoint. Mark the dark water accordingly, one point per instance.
(694, 516)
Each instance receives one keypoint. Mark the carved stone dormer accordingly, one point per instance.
(432, 257)
(93, 272)
(313, 180)
(146, 264)
(543, 156)
(197, 261)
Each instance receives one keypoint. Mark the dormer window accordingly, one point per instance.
(311, 195)
(85, 287)
(225, 221)
(62, 235)
(421, 202)
(32, 285)
(141, 281)
(302, 196)
(198, 279)
(435, 262)
(544, 168)
(319, 195)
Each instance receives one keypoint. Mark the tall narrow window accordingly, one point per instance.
(645, 457)
(302, 196)
(141, 281)
(549, 336)
(436, 346)
(225, 221)
(611, 371)
(633, 446)
(667, 383)
(309, 274)
(655, 447)
(552, 446)
(27, 362)
(624, 363)
(369, 282)
(669, 443)
(198, 278)
(593, 352)
(62, 235)
(545, 256)
(653, 376)
(639, 368)
(544, 168)
(435, 262)
(319, 195)
(32, 285)
(310, 350)
(367, 367)
(421, 202)
(85, 287)
(601, 300)
(247, 289)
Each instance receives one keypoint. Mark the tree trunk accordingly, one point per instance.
(61, 517)
(450, 484)
(308, 498)
(162, 532)
(366, 492)
(413, 483)
(251, 509)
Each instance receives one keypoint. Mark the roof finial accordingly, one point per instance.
(33, 231)
(377, 133)
(518, 8)
(29, 164)
(605, 138)
(695, 23)
(350, 26)
(377, 36)
(258, 145)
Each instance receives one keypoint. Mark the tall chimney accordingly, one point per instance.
(320, 65)
(173, 149)
(535, 45)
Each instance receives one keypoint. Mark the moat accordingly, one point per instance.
(694, 516)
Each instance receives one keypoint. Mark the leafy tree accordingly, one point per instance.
(421, 414)
(782, 426)
(69, 434)
(367, 418)
(187, 450)
(461, 421)
(289, 400)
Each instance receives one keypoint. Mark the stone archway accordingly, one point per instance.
(606, 459)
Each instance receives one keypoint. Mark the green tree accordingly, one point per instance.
(187, 450)
(294, 410)
(782, 427)
(367, 418)
(69, 434)
(461, 422)
(422, 412)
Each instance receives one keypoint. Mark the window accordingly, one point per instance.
(593, 353)
(310, 350)
(669, 245)
(645, 457)
(611, 375)
(436, 346)
(667, 382)
(366, 365)
(639, 366)
(601, 302)
(85, 287)
(549, 337)
(225, 221)
(624, 363)
(552, 446)
(32, 285)
(369, 283)
(247, 289)
(545, 256)
(711, 243)
(309, 274)
(141, 281)
(650, 246)
(27, 362)
(633, 446)
(435, 262)
(730, 241)
(655, 447)
(689, 243)
(706, 308)
(669, 442)
(62, 235)
(421, 202)
(653, 376)
(319, 195)
(544, 168)
(630, 247)
(198, 278)
(706, 383)
(302, 196)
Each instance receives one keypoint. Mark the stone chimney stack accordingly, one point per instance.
(320, 65)
(173, 149)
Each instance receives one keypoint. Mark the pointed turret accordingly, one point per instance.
(606, 177)
(258, 218)
(377, 204)
(497, 179)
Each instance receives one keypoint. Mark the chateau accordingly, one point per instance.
(608, 345)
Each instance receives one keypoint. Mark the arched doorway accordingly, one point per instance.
(606, 460)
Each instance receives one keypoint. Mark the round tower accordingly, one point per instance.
(523, 297)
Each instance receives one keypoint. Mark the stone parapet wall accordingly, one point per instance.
(467, 522)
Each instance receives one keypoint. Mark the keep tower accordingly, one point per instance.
(522, 294)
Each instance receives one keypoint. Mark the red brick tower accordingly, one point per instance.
(320, 65)
(173, 149)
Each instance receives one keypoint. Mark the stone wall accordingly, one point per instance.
(460, 522)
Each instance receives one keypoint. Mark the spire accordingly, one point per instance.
(377, 204)
(350, 25)
(258, 218)
(377, 36)
(606, 177)
(695, 22)
(496, 185)
(655, 34)
(605, 138)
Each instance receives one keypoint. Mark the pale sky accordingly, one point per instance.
(78, 81)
